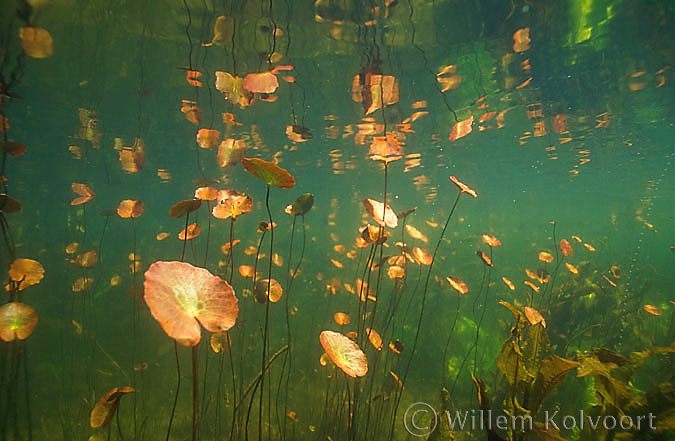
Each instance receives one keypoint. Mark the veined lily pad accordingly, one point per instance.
(269, 172)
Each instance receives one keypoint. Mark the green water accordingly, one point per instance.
(572, 136)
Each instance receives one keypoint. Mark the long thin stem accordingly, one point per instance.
(195, 393)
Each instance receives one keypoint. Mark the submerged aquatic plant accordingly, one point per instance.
(181, 297)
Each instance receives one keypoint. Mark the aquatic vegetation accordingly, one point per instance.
(363, 287)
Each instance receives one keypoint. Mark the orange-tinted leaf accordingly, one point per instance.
(88, 259)
(490, 240)
(571, 268)
(395, 272)
(509, 284)
(246, 271)
(268, 172)
(163, 235)
(653, 310)
(532, 286)
(207, 138)
(485, 258)
(36, 42)
(422, 256)
(17, 321)
(130, 208)
(26, 271)
(8, 204)
(262, 82)
(230, 152)
(231, 204)
(386, 148)
(191, 111)
(566, 248)
(461, 128)
(184, 207)
(521, 40)
(342, 319)
(12, 149)
(206, 193)
(181, 297)
(84, 192)
(375, 338)
(463, 187)
(132, 159)
(458, 284)
(105, 408)
(383, 215)
(545, 257)
(82, 284)
(267, 288)
(345, 353)
(415, 233)
(192, 231)
(534, 316)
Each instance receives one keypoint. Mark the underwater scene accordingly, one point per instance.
(332, 220)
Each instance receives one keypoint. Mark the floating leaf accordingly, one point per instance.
(207, 138)
(206, 194)
(301, 205)
(262, 82)
(534, 316)
(345, 353)
(546, 257)
(297, 133)
(571, 268)
(509, 284)
(232, 204)
(190, 232)
(233, 88)
(268, 172)
(184, 207)
(230, 152)
(105, 408)
(521, 40)
(342, 319)
(132, 159)
(485, 258)
(422, 256)
(458, 284)
(463, 188)
(36, 42)
(264, 287)
(381, 213)
(461, 128)
(84, 194)
(191, 111)
(17, 321)
(82, 284)
(181, 296)
(27, 272)
(12, 149)
(653, 310)
(129, 208)
(88, 259)
(386, 148)
(490, 240)
(566, 248)
(375, 338)
(8, 204)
